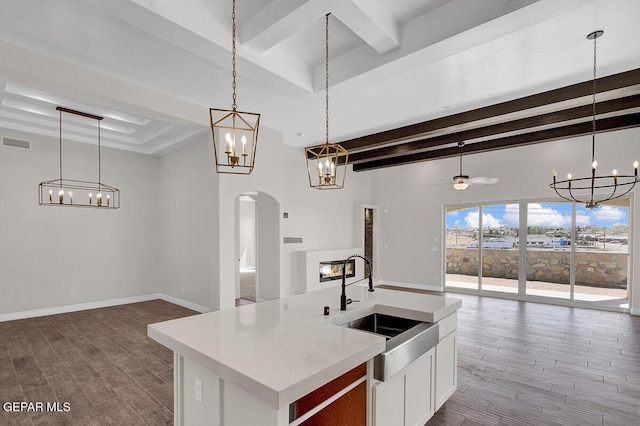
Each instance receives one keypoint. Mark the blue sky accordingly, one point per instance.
(540, 214)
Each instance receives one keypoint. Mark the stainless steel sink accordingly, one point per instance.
(407, 340)
(387, 325)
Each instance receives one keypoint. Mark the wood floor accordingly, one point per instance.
(523, 363)
(100, 361)
(519, 363)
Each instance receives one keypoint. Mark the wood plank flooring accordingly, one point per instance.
(99, 361)
(519, 363)
(524, 363)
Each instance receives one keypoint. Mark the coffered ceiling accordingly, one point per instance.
(393, 63)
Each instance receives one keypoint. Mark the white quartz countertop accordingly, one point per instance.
(282, 349)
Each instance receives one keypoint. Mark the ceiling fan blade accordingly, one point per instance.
(481, 180)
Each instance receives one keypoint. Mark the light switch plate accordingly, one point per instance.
(198, 393)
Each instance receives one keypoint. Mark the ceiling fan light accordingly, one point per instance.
(460, 182)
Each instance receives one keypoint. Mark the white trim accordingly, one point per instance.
(635, 311)
(183, 303)
(101, 304)
(430, 287)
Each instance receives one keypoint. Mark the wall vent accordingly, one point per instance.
(292, 240)
(16, 143)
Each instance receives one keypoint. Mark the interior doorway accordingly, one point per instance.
(368, 237)
(247, 242)
(257, 247)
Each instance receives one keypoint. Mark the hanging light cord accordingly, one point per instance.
(233, 53)
(326, 75)
(593, 121)
(60, 149)
(99, 162)
(461, 144)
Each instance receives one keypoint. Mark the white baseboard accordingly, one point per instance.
(184, 303)
(409, 285)
(635, 311)
(101, 304)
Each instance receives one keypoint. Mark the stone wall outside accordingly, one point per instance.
(595, 269)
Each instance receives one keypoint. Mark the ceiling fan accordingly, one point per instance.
(462, 181)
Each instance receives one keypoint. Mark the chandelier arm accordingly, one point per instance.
(562, 196)
(625, 192)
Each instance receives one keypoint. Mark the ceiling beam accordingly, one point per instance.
(604, 84)
(557, 117)
(540, 136)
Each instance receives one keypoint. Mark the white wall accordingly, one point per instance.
(411, 222)
(48, 252)
(189, 224)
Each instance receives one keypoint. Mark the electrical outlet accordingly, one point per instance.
(198, 394)
(72, 293)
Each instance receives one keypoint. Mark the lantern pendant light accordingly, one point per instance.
(235, 133)
(326, 163)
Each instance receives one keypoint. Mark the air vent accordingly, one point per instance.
(16, 143)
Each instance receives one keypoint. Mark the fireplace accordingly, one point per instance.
(332, 270)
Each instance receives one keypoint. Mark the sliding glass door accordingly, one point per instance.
(462, 233)
(602, 254)
(555, 250)
(499, 254)
(548, 250)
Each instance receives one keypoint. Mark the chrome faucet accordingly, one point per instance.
(343, 297)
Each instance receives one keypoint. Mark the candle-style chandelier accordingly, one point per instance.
(78, 193)
(326, 163)
(235, 133)
(594, 190)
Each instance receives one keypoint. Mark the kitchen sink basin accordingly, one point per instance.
(387, 325)
(407, 340)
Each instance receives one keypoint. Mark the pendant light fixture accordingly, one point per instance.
(326, 163)
(594, 190)
(461, 182)
(235, 133)
(78, 193)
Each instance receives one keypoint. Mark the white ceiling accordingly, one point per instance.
(392, 62)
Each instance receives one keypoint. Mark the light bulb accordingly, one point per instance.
(227, 137)
(569, 176)
(460, 186)
(635, 164)
(554, 173)
(614, 172)
(243, 140)
(594, 164)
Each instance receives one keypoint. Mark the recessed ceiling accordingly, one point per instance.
(393, 63)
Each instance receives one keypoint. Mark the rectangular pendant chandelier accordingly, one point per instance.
(63, 192)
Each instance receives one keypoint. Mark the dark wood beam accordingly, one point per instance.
(584, 111)
(540, 136)
(604, 84)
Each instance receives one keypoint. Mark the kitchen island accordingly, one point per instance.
(254, 363)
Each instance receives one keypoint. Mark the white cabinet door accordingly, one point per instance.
(388, 401)
(419, 399)
(446, 376)
(407, 397)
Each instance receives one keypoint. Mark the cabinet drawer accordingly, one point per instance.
(448, 325)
